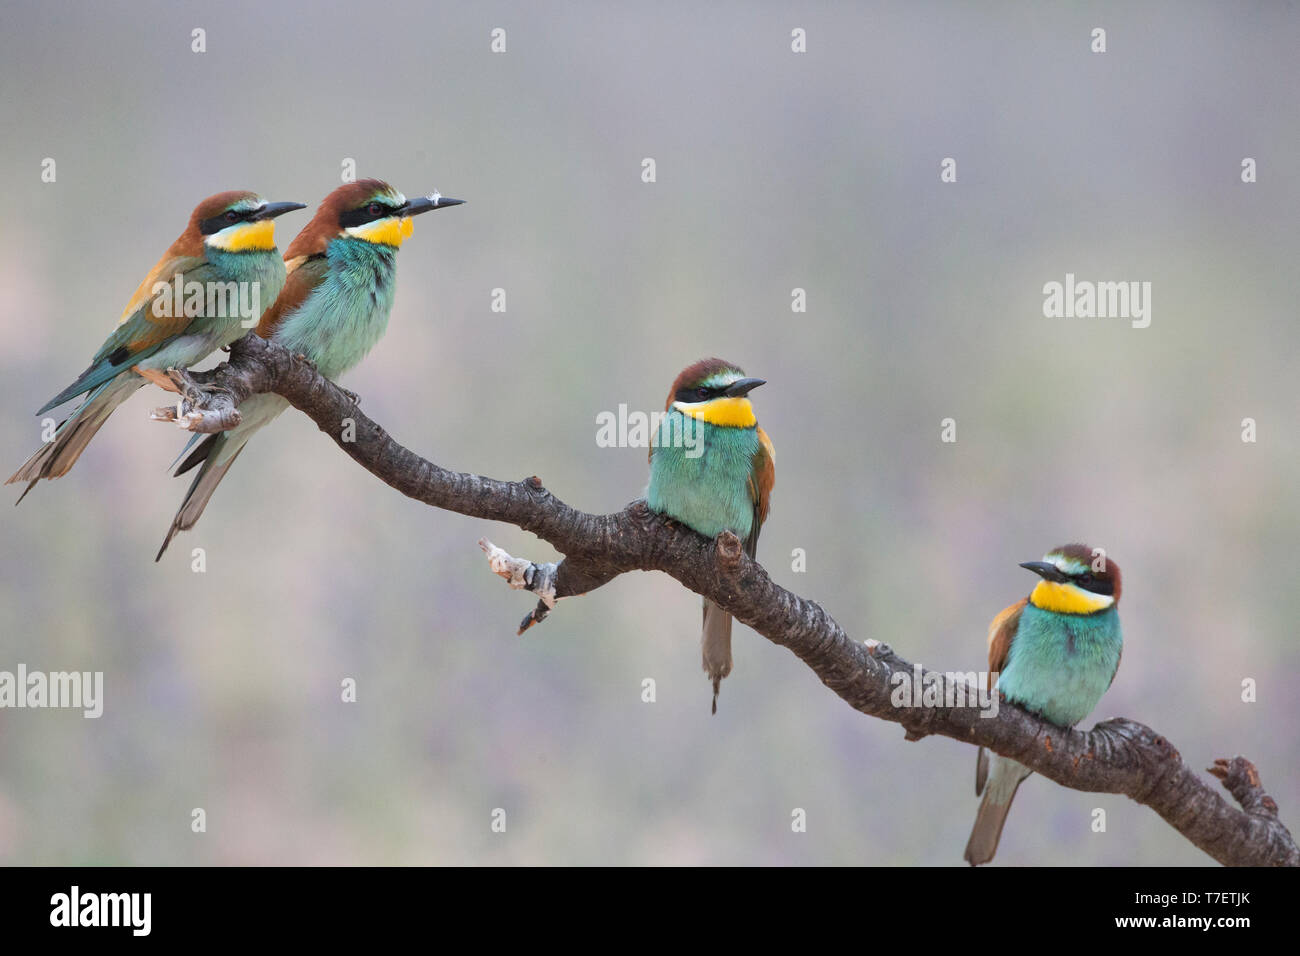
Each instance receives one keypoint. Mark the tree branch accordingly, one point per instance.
(1117, 756)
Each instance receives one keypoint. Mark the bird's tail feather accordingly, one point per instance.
(216, 453)
(216, 462)
(716, 646)
(999, 787)
(197, 456)
(98, 375)
(56, 457)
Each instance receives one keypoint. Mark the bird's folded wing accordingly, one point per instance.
(1001, 631)
(303, 275)
(140, 332)
(762, 477)
(142, 329)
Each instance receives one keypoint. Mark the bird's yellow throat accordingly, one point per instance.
(385, 232)
(727, 412)
(250, 237)
(1066, 598)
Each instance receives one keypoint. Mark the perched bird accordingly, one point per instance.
(230, 239)
(1056, 652)
(342, 272)
(712, 468)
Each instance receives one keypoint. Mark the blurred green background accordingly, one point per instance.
(774, 171)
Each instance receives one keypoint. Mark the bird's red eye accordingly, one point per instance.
(232, 216)
(702, 392)
(374, 209)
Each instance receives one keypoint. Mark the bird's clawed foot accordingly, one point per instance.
(178, 414)
(174, 380)
(300, 357)
(188, 414)
(179, 382)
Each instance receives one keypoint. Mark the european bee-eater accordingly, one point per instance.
(1056, 652)
(342, 272)
(712, 468)
(227, 250)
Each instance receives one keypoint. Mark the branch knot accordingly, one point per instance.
(730, 550)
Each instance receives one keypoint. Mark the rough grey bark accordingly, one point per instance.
(1117, 756)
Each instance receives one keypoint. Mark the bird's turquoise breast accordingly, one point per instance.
(1059, 665)
(708, 492)
(260, 271)
(348, 312)
(266, 269)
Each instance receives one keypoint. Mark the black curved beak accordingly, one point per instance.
(421, 204)
(1045, 570)
(743, 387)
(273, 209)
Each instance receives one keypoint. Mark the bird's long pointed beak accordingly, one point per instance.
(273, 209)
(1045, 570)
(743, 387)
(421, 204)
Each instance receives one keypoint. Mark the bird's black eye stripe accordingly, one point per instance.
(696, 393)
(226, 219)
(1097, 585)
(368, 213)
